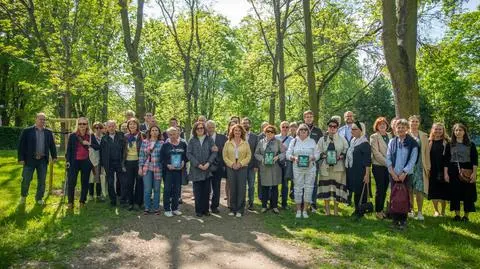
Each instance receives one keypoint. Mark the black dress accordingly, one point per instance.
(462, 191)
(438, 188)
(362, 157)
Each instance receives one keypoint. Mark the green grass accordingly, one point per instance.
(371, 243)
(49, 233)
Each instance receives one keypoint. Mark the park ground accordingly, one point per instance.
(100, 236)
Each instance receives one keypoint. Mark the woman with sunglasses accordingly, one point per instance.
(269, 155)
(332, 185)
(201, 154)
(303, 152)
(77, 160)
(97, 176)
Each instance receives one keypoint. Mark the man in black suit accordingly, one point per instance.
(252, 140)
(35, 145)
(147, 123)
(112, 158)
(219, 171)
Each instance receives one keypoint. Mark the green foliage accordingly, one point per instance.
(9, 137)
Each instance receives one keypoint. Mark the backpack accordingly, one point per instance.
(399, 199)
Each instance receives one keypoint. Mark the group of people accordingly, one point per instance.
(334, 166)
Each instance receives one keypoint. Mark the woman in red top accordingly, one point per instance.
(77, 160)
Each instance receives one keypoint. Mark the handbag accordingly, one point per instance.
(399, 199)
(366, 207)
(464, 174)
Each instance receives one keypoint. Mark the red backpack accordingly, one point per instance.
(399, 199)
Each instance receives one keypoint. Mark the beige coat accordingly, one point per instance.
(425, 155)
(341, 146)
(379, 149)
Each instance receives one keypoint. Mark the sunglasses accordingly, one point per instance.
(333, 126)
(303, 129)
(269, 131)
(82, 123)
(98, 127)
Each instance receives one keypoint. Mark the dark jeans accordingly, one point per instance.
(284, 187)
(238, 188)
(216, 183)
(251, 184)
(114, 169)
(201, 190)
(27, 176)
(270, 193)
(84, 167)
(132, 189)
(382, 181)
(171, 190)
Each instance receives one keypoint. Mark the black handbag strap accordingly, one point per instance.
(361, 196)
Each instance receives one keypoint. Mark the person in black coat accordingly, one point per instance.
(112, 158)
(77, 160)
(218, 166)
(35, 145)
(252, 140)
(463, 157)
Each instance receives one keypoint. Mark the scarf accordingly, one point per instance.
(355, 142)
(131, 138)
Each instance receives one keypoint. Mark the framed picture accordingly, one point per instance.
(268, 158)
(331, 157)
(176, 160)
(303, 161)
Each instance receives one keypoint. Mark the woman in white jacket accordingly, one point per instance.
(303, 152)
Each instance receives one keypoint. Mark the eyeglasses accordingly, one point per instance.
(333, 126)
(82, 123)
(269, 131)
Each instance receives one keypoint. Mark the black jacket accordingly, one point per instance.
(28, 142)
(220, 141)
(252, 141)
(105, 148)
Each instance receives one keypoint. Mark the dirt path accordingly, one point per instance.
(217, 241)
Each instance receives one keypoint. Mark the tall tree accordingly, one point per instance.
(312, 94)
(399, 18)
(131, 46)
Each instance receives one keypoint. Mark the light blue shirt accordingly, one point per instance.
(346, 131)
(401, 164)
(287, 141)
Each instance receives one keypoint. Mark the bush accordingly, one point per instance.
(9, 137)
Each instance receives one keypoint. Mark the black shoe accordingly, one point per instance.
(465, 219)
(457, 218)
(199, 215)
(207, 214)
(215, 210)
(250, 206)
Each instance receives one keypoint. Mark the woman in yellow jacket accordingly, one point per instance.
(419, 180)
(237, 155)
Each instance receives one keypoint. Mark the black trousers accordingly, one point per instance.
(201, 190)
(84, 167)
(216, 183)
(114, 169)
(284, 187)
(270, 193)
(132, 189)
(382, 180)
(468, 206)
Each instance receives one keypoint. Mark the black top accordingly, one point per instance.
(166, 152)
(112, 150)
(315, 133)
(362, 157)
(27, 145)
(438, 158)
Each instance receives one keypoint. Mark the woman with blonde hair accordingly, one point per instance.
(438, 187)
(77, 160)
(418, 184)
(132, 187)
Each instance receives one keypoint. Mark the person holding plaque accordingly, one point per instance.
(173, 156)
(332, 185)
(303, 152)
(269, 155)
(237, 155)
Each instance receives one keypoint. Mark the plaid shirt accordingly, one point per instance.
(151, 161)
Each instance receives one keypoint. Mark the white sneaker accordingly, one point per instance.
(305, 215)
(238, 215)
(411, 214)
(168, 214)
(420, 216)
(231, 214)
(299, 214)
(40, 202)
(23, 200)
(177, 212)
(436, 214)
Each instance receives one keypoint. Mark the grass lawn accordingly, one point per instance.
(45, 233)
(49, 234)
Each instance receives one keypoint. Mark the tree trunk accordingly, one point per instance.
(312, 93)
(279, 53)
(399, 42)
(131, 46)
(4, 70)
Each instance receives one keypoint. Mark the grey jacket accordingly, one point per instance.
(271, 175)
(200, 154)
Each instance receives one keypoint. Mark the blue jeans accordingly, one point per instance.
(251, 184)
(149, 184)
(171, 190)
(27, 175)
